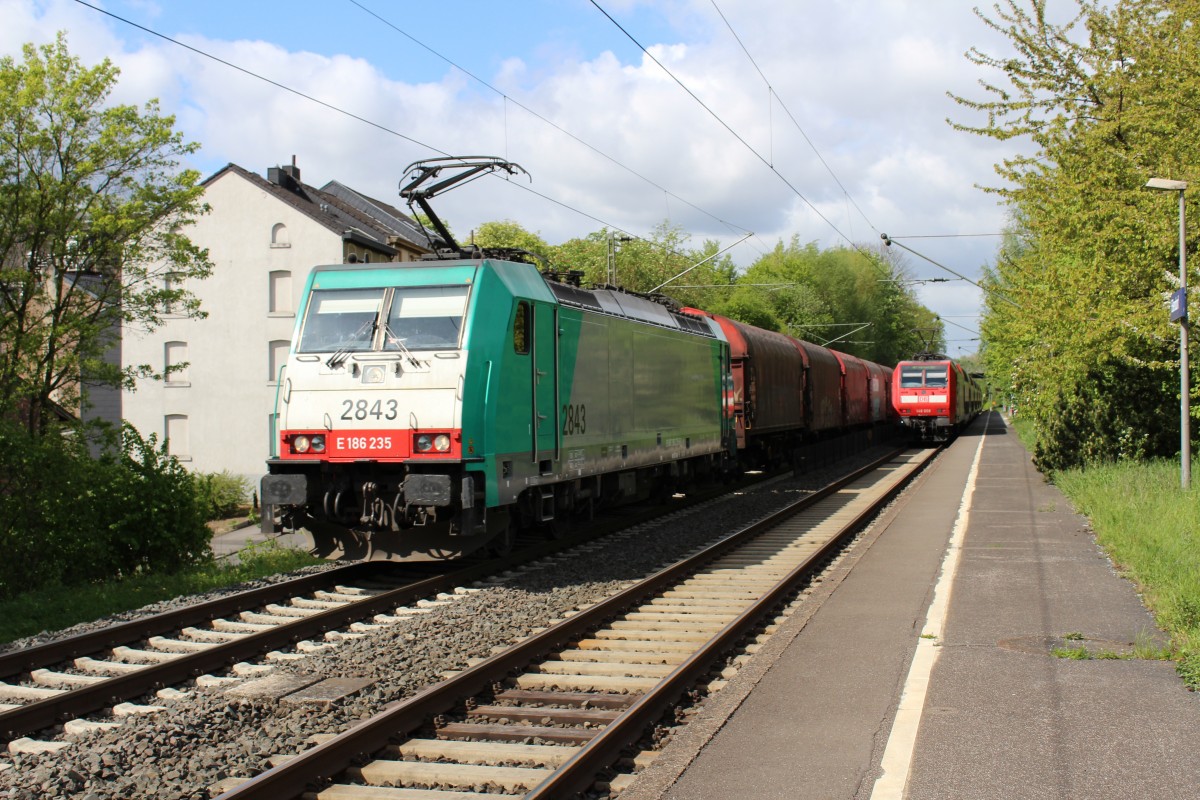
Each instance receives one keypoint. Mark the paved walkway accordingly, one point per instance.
(231, 542)
(984, 709)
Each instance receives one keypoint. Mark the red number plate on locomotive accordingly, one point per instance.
(366, 444)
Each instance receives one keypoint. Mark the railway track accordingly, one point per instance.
(549, 716)
(64, 681)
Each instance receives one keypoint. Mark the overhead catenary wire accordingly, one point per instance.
(344, 112)
(955, 324)
(737, 136)
(887, 240)
(509, 99)
(384, 128)
(792, 117)
(945, 236)
(263, 78)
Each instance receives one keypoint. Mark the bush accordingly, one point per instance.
(220, 494)
(68, 517)
(1118, 411)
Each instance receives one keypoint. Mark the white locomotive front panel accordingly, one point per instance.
(360, 388)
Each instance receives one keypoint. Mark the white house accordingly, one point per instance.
(263, 236)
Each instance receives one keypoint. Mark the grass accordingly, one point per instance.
(53, 609)
(1150, 528)
(1073, 653)
(1025, 430)
(1144, 649)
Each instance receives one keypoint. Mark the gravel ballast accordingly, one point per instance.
(200, 740)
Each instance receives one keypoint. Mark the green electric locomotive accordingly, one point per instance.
(430, 407)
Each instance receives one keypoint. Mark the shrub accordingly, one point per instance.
(1118, 411)
(68, 517)
(220, 494)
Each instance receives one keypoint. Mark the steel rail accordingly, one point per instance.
(45, 713)
(294, 777)
(580, 771)
(43, 655)
(50, 711)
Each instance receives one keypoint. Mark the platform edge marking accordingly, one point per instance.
(902, 740)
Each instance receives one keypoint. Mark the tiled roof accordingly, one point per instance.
(387, 215)
(341, 210)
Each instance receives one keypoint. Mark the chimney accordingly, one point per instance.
(286, 177)
(293, 170)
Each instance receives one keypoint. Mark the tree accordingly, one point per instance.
(643, 264)
(822, 295)
(93, 206)
(1076, 302)
(510, 234)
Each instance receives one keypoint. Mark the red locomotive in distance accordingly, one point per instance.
(934, 397)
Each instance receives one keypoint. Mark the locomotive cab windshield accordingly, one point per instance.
(413, 318)
(915, 376)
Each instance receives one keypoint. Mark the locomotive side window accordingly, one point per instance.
(521, 328)
(425, 317)
(340, 319)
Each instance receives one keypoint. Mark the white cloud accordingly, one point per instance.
(866, 80)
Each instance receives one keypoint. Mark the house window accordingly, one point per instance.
(281, 293)
(279, 235)
(176, 429)
(172, 282)
(276, 358)
(175, 367)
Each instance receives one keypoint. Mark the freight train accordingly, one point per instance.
(934, 397)
(430, 408)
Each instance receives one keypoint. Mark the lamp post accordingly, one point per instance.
(1185, 432)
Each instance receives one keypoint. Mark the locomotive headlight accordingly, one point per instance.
(301, 444)
(374, 374)
(431, 443)
(318, 444)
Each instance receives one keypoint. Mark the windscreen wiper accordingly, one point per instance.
(342, 353)
(391, 338)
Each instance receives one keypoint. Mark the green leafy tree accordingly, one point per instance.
(662, 261)
(824, 295)
(93, 207)
(510, 234)
(796, 289)
(1076, 305)
(68, 519)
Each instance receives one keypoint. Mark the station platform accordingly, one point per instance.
(928, 670)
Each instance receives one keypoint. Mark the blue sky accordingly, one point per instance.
(541, 31)
(628, 148)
